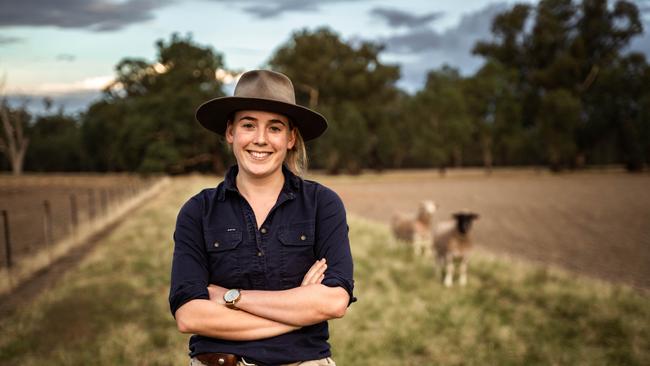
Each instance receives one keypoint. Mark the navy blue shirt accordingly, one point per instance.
(217, 241)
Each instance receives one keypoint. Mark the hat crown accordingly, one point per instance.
(262, 90)
(265, 84)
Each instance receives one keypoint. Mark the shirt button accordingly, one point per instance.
(303, 238)
(259, 254)
(263, 230)
(216, 244)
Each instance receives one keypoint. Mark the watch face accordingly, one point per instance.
(231, 295)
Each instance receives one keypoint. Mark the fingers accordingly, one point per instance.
(316, 273)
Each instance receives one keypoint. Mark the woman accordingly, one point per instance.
(262, 261)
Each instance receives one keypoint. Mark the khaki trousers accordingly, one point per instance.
(322, 362)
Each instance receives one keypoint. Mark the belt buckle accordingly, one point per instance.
(217, 359)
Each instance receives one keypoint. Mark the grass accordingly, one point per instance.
(113, 308)
(511, 313)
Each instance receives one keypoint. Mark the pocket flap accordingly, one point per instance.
(221, 240)
(297, 236)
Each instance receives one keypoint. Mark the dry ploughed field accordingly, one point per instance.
(594, 223)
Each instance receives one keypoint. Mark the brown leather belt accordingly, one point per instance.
(217, 359)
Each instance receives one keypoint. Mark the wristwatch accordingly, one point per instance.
(231, 297)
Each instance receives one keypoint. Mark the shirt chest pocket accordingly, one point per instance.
(221, 245)
(297, 249)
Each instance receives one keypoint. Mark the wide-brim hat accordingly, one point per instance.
(263, 90)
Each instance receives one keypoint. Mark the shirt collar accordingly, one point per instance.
(290, 188)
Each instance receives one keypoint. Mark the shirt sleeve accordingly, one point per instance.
(332, 242)
(189, 276)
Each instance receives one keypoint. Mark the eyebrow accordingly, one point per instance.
(250, 118)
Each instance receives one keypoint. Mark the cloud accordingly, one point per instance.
(398, 18)
(95, 83)
(271, 9)
(95, 15)
(5, 40)
(72, 102)
(472, 27)
(92, 83)
(275, 8)
(66, 57)
(73, 97)
(420, 49)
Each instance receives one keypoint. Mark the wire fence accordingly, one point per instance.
(41, 219)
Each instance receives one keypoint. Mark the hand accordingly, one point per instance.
(315, 274)
(216, 294)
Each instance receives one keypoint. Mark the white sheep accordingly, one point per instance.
(416, 231)
(452, 242)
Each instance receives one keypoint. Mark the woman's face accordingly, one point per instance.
(260, 141)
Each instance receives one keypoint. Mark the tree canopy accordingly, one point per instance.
(145, 122)
(559, 87)
(350, 86)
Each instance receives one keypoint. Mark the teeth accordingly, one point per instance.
(259, 155)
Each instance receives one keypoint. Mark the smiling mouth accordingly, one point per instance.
(257, 155)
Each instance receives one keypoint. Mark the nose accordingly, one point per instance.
(260, 137)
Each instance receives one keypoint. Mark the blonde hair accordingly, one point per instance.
(296, 159)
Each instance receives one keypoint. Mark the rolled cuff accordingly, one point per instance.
(346, 284)
(184, 293)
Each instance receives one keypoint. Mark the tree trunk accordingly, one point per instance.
(457, 156)
(14, 144)
(18, 162)
(487, 154)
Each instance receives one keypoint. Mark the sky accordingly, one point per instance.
(67, 49)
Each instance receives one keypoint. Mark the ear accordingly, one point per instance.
(292, 138)
(229, 132)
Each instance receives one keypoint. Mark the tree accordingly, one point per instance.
(563, 54)
(619, 114)
(439, 120)
(56, 144)
(14, 142)
(495, 111)
(332, 76)
(557, 127)
(145, 121)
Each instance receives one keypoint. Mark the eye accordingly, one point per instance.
(275, 129)
(247, 125)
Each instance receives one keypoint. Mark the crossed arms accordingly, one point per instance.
(264, 314)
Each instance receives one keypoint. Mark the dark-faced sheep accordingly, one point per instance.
(416, 231)
(452, 243)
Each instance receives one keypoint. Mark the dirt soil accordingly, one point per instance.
(593, 223)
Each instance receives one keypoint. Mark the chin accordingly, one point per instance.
(262, 171)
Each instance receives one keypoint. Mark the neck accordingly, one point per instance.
(269, 185)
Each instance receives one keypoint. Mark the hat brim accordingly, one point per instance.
(214, 114)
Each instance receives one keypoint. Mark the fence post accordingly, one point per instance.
(5, 220)
(91, 205)
(74, 216)
(104, 202)
(47, 227)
